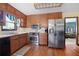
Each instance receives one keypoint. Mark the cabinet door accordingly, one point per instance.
(14, 44)
(27, 39)
(43, 38)
(28, 21)
(43, 20)
(57, 15)
(22, 39)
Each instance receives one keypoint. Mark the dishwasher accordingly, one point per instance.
(34, 38)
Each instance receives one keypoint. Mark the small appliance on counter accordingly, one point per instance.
(36, 26)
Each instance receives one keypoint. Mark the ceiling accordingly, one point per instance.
(29, 9)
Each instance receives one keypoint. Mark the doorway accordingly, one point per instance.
(71, 30)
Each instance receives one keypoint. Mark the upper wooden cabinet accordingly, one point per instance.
(28, 21)
(3, 6)
(10, 9)
(42, 19)
(57, 15)
(35, 19)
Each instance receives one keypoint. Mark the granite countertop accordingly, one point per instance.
(4, 34)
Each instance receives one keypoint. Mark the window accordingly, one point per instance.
(10, 22)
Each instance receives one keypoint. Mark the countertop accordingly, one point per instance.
(4, 34)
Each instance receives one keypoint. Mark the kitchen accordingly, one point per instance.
(30, 29)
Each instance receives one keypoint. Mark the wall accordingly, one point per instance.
(70, 14)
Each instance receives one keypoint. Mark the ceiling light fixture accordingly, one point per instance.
(46, 5)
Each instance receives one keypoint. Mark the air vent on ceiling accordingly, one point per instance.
(46, 5)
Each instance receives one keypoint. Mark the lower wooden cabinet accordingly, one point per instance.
(14, 45)
(43, 39)
(23, 40)
(16, 42)
(27, 41)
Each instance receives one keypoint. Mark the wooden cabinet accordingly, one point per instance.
(28, 21)
(10, 9)
(43, 21)
(9, 45)
(43, 39)
(14, 44)
(57, 15)
(18, 14)
(35, 19)
(27, 41)
(18, 41)
(3, 6)
(22, 39)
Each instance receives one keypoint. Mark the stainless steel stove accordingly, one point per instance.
(34, 38)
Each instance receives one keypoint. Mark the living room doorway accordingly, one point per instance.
(71, 30)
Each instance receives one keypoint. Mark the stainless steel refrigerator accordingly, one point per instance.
(56, 33)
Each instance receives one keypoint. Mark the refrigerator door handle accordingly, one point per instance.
(51, 31)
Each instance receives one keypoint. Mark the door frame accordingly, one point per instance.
(76, 25)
